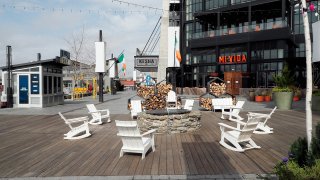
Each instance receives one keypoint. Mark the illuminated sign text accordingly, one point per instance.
(232, 59)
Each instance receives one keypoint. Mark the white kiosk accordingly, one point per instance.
(37, 83)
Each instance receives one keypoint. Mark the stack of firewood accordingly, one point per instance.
(206, 103)
(154, 101)
(217, 89)
(145, 91)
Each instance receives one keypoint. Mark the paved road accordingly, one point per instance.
(117, 104)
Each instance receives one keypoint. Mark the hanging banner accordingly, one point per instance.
(100, 56)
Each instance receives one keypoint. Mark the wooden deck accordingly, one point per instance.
(34, 146)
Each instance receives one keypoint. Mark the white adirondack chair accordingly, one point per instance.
(98, 115)
(234, 112)
(135, 108)
(172, 100)
(132, 140)
(77, 132)
(262, 127)
(240, 136)
(188, 104)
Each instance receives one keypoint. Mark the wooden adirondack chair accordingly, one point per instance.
(262, 127)
(76, 132)
(188, 104)
(132, 140)
(240, 138)
(135, 108)
(234, 111)
(98, 115)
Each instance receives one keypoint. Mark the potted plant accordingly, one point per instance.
(283, 92)
(267, 97)
(316, 100)
(252, 95)
(297, 94)
(259, 97)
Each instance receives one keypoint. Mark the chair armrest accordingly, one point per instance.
(229, 127)
(98, 111)
(237, 121)
(257, 114)
(79, 119)
(102, 110)
(149, 132)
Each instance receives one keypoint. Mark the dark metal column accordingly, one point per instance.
(100, 75)
(9, 82)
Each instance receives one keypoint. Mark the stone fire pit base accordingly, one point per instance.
(175, 123)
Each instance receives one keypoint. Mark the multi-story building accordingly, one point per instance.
(253, 37)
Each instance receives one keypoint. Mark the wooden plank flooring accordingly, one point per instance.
(34, 146)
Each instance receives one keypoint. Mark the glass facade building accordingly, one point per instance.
(254, 37)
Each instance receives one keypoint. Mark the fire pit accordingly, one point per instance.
(161, 112)
(169, 120)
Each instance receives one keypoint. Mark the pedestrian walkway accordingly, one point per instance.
(117, 104)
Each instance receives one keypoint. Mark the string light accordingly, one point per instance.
(63, 10)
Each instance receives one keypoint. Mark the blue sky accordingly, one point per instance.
(43, 26)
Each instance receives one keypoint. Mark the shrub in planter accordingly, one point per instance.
(251, 95)
(316, 100)
(291, 170)
(301, 164)
(259, 98)
(283, 92)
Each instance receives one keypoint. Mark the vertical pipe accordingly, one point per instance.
(100, 75)
(9, 80)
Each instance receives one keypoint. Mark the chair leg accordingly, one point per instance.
(121, 153)
(143, 155)
(109, 120)
(253, 144)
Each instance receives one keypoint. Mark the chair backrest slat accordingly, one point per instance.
(239, 105)
(188, 104)
(130, 134)
(249, 127)
(136, 106)
(171, 96)
(93, 110)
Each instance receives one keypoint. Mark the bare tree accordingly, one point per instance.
(309, 72)
(82, 57)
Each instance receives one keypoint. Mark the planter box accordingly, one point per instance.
(283, 100)
(267, 98)
(315, 103)
(259, 98)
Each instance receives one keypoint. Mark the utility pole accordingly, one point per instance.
(100, 75)
(9, 81)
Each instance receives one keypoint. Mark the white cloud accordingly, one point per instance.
(44, 31)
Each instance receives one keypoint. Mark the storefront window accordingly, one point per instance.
(45, 85)
(50, 84)
(55, 84)
(59, 85)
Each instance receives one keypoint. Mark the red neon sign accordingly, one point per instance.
(233, 59)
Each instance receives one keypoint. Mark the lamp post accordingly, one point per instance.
(9, 82)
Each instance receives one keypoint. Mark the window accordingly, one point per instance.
(50, 84)
(55, 84)
(59, 85)
(45, 85)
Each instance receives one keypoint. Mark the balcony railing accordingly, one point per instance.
(241, 29)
